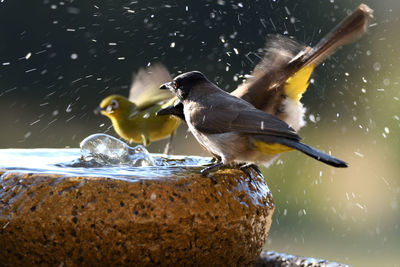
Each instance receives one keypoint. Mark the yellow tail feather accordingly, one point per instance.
(297, 84)
(271, 149)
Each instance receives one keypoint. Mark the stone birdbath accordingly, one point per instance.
(59, 209)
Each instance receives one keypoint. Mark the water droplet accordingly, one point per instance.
(312, 118)
(386, 81)
(359, 154)
(386, 130)
(377, 66)
(221, 2)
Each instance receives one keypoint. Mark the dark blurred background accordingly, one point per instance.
(58, 59)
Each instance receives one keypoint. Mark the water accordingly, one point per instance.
(71, 162)
(105, 150)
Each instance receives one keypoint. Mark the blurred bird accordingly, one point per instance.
(233, 130)
(278, 82)
(134, 119)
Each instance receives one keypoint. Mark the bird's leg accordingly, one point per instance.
(206, 170)
(246, 166)
(167, 148)
(145, 140)
(215, 159)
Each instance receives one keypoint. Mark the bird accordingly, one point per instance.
(135, 119)
(233, 130)
(278, 82)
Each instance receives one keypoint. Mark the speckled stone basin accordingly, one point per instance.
(63, 216)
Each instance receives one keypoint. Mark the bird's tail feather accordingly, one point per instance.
(350, 29)
(314, 153)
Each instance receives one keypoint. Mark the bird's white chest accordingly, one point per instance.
(215, 143)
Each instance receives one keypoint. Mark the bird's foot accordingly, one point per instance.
(244, 168)
(206, 170)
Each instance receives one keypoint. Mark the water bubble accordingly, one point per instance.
(107, 150)
(74, 56)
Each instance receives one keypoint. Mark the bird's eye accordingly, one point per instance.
(112, 106)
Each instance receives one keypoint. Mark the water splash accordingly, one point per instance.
(106, 150)
(71, 162)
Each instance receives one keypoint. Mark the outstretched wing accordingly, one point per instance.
(145, 89)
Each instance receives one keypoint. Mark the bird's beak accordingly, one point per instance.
(166, 86)
(98, 110)
(176, 110)
(170, 110)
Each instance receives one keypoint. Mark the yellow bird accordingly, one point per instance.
(135, 119)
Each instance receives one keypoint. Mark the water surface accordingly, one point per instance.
(69, 161)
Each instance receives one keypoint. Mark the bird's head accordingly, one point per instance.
(114, 106)
(183, 84)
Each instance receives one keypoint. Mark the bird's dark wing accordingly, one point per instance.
(227, 118)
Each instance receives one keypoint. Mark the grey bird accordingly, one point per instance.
(277, 83)
(232, 129)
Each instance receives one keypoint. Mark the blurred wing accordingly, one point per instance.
(270, 73)
(247, 121)
(278, 50)
(145, 89)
